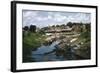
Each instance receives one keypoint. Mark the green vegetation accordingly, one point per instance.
(30, 42)
(85, 44)
(34, 37)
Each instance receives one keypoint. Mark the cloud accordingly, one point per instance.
(50, 17)
(79, 17)
(28, 17)
(29, 13)
(41, 19)
(59, 17)
(44, 18)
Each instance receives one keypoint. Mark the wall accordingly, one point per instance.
(5, 36)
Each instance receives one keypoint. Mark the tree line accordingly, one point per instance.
(31, 28)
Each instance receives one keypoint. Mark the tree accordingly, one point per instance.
(32, 28)
(63, 26)
(88, 27)
(53, 26)
(57, 26)
(70, 24)
(45, 28)
(41, 31)
(26, 28)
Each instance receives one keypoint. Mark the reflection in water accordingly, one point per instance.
(49, 53)
(41, 53)
(44, 49)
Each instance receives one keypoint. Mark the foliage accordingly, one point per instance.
(26, 28)
(70, 24)
(30, 43)
(33, 39)
(32, 28)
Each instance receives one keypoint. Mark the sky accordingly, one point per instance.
(49, 18)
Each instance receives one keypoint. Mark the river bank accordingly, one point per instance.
(40, 47)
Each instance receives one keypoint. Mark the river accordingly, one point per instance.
(48, 53)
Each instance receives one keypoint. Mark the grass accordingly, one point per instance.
(34, 40)
(31, 41)
(85, 48)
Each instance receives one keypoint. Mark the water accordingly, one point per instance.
(40, 53)
(48, 53)
(44, 49)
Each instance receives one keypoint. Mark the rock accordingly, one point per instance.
(73, 40)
